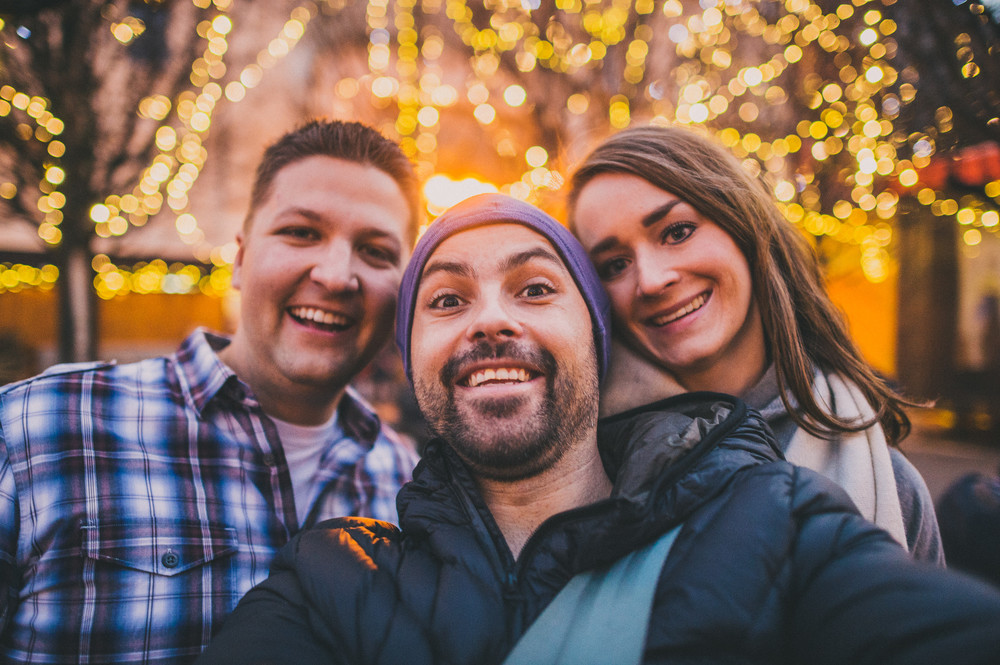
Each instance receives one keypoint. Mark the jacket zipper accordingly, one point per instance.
(508, 567)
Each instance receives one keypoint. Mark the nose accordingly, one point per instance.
(493, 319)
(333, 268)
(654, 274)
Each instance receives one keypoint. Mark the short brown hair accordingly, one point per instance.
(802, 326)
(347, 140)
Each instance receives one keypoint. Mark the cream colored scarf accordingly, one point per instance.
(857, 461)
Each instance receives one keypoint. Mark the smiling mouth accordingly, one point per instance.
(318, 318)
(498, 376)
(692, 306)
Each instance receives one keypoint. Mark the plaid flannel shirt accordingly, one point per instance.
(139, 502)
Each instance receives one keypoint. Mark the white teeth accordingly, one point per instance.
(508, 374)
(695, 304)
(318, 316)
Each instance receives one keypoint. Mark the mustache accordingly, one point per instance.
(509, 350)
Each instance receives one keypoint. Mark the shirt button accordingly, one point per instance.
(170, 559)
(269, 459)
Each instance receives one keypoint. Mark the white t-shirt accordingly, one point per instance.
(304, 446)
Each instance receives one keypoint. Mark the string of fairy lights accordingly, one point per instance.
(721, 66)
(173, 171)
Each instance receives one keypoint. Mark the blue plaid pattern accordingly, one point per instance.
(139, 502)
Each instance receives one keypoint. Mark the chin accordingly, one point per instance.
(323, 380)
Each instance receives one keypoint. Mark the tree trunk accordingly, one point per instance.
(77, 306)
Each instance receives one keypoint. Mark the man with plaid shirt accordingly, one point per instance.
(139, 502)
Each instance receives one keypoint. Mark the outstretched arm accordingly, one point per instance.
(270, 626)
(325, 602)
(859, 598)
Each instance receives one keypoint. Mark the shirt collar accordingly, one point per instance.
(765, 395)
(764, 392)
(358, 419)
(206, 376)
(201, 372)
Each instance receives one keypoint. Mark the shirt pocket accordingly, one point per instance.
(166, 548)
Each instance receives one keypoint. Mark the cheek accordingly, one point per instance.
(263, 268)
(741, 278)
(748, 307)
(381, 284)
(621, 294)
(424, 366)
(245, 280)
(380, 293)
(383, 302)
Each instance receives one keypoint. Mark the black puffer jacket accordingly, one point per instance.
(772, 565)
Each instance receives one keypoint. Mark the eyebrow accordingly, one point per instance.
(509, 263)
(521, 258)
(450, 267)
(657, 214)
(309, 214)
(647, 220)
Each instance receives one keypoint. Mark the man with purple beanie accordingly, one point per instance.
(504, 333)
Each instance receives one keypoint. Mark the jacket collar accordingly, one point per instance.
(699, 438)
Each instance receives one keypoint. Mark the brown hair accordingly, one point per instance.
(351, 141)
(802, 326)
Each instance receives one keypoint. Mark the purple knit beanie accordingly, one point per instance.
(486, 209)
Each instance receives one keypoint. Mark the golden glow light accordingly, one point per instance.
(441, 192)
(732, 70)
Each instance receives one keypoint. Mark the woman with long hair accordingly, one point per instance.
(712, 289)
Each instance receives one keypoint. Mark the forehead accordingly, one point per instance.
(493, 249)
(339, 190)
(607, 188)
(615, 205)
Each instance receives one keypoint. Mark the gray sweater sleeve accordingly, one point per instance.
(923, 537)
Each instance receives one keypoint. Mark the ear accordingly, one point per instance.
(633, 381)
(238, 263)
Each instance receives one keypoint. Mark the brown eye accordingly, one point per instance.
(537, 290)
(380, 255)
(298, 232)
(677, 233)
(612, 268)
(446, 301)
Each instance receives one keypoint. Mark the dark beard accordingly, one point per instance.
(486, 434)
